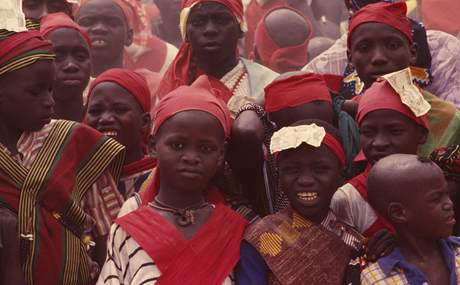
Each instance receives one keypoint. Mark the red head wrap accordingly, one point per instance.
(294, 91)
(335, 146)
(23, 49)
(275, 56)
(177, 73)
(391, 14)
(381, 96)
(52, 22)
(199, 96)
(131, 81)
(136, 18)
(236, 6)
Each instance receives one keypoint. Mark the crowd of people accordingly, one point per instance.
(229, 142)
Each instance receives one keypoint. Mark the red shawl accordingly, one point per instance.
(208, 258)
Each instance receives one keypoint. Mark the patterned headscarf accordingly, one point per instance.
(448, 159)
(18, 50)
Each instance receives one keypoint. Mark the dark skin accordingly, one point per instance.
(453, 186)
(213, 32)
(73, 67)
(190, 149)
(418, 231)
(170, 15)
(385, 132)
(27, 106)
(378, 49)
(113, 111)
(108, 30)
(312, 171)
(35, 9)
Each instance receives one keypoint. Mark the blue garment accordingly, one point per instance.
(251, 269)
(395, 260)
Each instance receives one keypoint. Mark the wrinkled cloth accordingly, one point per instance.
(52, 22)
(276, 57)
(391, 14)
(199, 96)
(133, 82)
(18, 50)
(295, 91)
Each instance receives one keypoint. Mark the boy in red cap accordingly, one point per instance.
(210, 48)
(46, 169)
(390, 121)
(71, 45)
(305, 243)
(121, 37)
(179, 236)
(416, 201)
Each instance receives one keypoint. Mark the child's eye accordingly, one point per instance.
(396, 132)
(366, 132)
(289, 169)
(207, 149)
(394, 44)
(321, 168)
(176, 145)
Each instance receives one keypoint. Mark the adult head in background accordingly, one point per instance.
(211, 31)
(71, 45)
(121, 36)
(277, 49)
(168, 25)
(35, 9)
(106, 23)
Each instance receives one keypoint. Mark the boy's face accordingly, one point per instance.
(190, 149)
(385, 132)
(320, 110)
(213, 31)
(35, 9)
(429, 213)
(106, 26)
(26, 101)
(309, 176)
(113, 111)
(73, 64)
(377, 49)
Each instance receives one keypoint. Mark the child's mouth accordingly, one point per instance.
(307, 196)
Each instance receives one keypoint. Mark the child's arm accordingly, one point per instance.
(10, 264)
(251, 269)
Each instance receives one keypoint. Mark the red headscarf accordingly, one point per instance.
(274, 56)
(391, 14)
(52, 22)
(133, 82)
(136, 17)
(294, 91)
(22, 49)
(381, 96)
(178, 71)
(198, 96)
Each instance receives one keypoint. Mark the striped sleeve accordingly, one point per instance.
(127, 262)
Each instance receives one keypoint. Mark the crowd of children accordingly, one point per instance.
(124, 160)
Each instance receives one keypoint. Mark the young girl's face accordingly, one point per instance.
(309, 176)
(385, 132)
(190, 149)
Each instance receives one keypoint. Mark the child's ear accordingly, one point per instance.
(396, 213)
(223, 154)
(413, 54)
(423, 135)
(349, 56)
(146, 122)
(153, 146)
(129, 37)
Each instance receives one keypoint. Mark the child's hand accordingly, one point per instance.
(381, 244)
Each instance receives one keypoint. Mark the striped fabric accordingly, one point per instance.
(128, 263)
